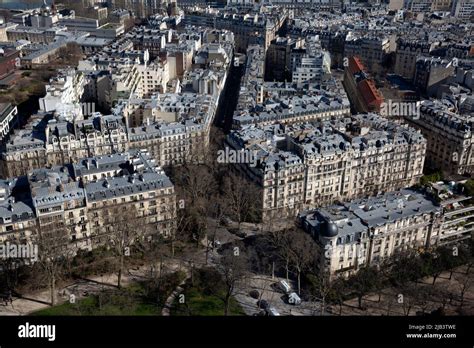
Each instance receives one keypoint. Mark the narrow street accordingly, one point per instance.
(229, 99)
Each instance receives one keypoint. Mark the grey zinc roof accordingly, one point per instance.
(288, 107)
(361, 214)
(437, 112)
(99, 163)
(44, 187)
(328, 137)
(53, 186)
(125, 185)
(376, 211)
(277, 160)
(15, 211)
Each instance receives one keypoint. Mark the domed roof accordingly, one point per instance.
(329, 229)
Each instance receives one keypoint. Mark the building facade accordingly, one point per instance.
(449, 138)
(309, 165)
(81, 201)
(366, 232)
(406, 56)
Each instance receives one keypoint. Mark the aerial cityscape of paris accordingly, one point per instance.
(221, 162)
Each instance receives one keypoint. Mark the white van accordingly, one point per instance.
(294, 299)
(284, 286)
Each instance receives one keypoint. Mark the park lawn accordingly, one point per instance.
(199, 304)
(132, 300)
(90, 306)
(125, 302)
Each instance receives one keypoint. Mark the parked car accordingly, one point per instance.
(294, 299)
(272, 312)
(241, 234)
(226, 221)
(262, 304)
(254, 294)
(284, 286)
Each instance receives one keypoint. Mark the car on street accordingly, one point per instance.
(226, 221)
(284, 286)
(262, 304)
(294, 299)
(254, 294)
(272, 312)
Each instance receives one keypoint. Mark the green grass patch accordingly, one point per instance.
(128, 301)
(199, 304)
(139, 299)
(204, 298)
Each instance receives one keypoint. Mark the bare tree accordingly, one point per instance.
(240, 197)
(464, 282)
(197, 184)
(10, 270)
(301, 252)
(442, 293)
(320, 289)
(191, 226)
(53, 251)
(407, 296)
(233, 268)
(325, 288)
(469, 266)
(387, 302)
(338, 287)
(363, 282)
(127, 227)
(295, 248)
(281, 241)
(437, 262)
(217, 212)
(402, 269)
